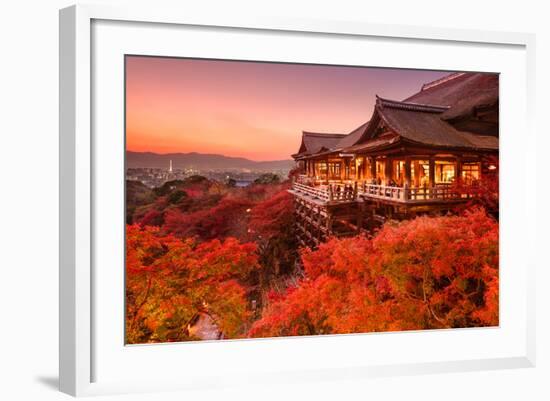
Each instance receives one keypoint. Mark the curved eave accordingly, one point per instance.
(320, 154)
(398, 142)
(365, 148)
(450, 148)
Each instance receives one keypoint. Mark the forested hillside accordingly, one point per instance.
(197, 247)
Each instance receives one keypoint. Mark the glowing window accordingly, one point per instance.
(470, 173)
(445, 172)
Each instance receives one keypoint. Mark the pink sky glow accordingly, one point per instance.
(250, 109)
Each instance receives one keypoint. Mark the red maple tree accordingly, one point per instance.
(430, 272)
(226, 219)
(169, 280)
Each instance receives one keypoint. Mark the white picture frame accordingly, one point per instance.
(78, 165)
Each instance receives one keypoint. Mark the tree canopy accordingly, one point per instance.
(430, 272)
(169, 280)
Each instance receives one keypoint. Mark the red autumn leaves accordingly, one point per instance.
(169, 280)
(425, 273)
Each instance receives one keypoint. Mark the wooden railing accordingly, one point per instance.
(328, 193)
(317, 181)
(382, 192)
(346, 192)
(342, 192)
(315, 192)
(403, 194)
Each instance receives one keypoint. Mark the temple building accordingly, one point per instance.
(425, 154)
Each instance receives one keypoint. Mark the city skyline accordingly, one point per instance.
(252, 110)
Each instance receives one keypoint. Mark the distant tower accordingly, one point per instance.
(170, 169)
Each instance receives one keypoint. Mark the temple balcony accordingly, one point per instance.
(334, 192)
(325, 194)
(403, 195)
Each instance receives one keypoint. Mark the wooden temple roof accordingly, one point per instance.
(380, 142)
(315, 142)
(423, 118)
(423, 124)
(353, 137)
(462, 92)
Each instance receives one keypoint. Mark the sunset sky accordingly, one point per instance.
(249, 109)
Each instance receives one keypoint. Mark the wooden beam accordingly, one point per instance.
(458, 170)
(407, 171)
(432, 172)
(346, 169)
(388, 170)
(373, 167)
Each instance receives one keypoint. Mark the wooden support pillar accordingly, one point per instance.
(432, 172)
(328, 172)
(407, 172)
(373, 168)
(407, 178)
(388, 170)
(458, 171)
(360, 214)
(329, 223)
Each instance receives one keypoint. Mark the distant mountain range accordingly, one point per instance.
(201, 161)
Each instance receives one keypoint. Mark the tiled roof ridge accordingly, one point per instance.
(324, 134)
(441, 80)
(394, 104)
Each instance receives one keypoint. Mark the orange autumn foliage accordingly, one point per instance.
(226, 219)
(169, 280)
(427, 273)
(273, 216)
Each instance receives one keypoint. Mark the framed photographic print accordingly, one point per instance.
(252, 192)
